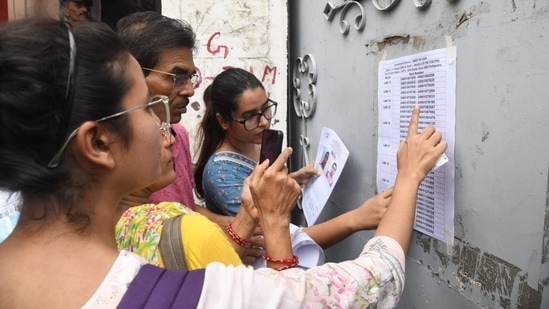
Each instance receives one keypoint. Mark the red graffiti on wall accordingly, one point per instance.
(219, 48)
(269, 72)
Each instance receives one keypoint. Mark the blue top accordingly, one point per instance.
(223, 180)
(9, 213)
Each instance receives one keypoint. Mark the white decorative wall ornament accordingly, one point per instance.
(344, 25)
(385, 5)
(304, 107)
(422, 4)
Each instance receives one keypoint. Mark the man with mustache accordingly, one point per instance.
(164, 48)
(74, 10)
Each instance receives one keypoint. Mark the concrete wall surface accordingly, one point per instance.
(247, 34)
(500, 256)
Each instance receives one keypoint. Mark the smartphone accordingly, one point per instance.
(271, 145)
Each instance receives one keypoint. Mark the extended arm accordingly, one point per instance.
(416, 155)
(367, 216)
(274, 195)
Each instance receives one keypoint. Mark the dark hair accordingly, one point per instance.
(147, 34)
(221, 97)
(88, 3)
(36, 114)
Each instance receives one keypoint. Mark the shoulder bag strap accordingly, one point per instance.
(158, 288)
(171, 245)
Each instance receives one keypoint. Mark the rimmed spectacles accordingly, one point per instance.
(251, 122)
(179, 79)
(163, 126)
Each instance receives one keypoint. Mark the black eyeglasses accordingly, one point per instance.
(251, 122)
(179, 80)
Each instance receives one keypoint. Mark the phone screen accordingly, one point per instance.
(271, 145)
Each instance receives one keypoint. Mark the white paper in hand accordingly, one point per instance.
(443, 159)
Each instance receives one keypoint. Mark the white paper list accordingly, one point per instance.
(429, 80)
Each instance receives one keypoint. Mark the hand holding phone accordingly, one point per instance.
(271, 145)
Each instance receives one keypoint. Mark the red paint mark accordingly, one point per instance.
(195, 105)
(219, 48)
(267, 71)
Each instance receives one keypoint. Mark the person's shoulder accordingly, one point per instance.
(173, 208)
(232, 158)
(219, 160)
(201, 227)
(9, 203)
(160, 211)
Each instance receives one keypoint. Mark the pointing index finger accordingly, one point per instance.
(412, 128)
(280, 162)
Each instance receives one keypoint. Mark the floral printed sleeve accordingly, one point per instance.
(373, 280)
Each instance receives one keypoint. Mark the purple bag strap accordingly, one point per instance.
(158, 288)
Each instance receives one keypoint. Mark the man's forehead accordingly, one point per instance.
(176, 59)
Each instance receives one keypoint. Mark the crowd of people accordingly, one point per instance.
(102, 165)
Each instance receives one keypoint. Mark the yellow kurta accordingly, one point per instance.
(140, 227)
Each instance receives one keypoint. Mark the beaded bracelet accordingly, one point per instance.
(241, 242)
(291, 262)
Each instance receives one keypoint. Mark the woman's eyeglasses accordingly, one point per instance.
(164, 126)
(251, 122)
(179, 80)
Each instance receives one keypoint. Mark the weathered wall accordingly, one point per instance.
(231, 33)
(501, 252)
(17, 9)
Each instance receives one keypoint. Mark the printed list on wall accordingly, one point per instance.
(427, 79)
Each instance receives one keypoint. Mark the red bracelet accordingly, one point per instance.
(241, 242)
(293, 261)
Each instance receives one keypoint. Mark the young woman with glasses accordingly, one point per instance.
(57, 88)
(237, 112)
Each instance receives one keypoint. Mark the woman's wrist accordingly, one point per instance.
(240, 231)
(281, 264)
(351, 221)
(242, 242)
(410, 177)
(278, 244)
(244, 224)
(272, 221)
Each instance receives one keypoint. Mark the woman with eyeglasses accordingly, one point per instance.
(195, 242)
(77, 133)
(237, 112)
